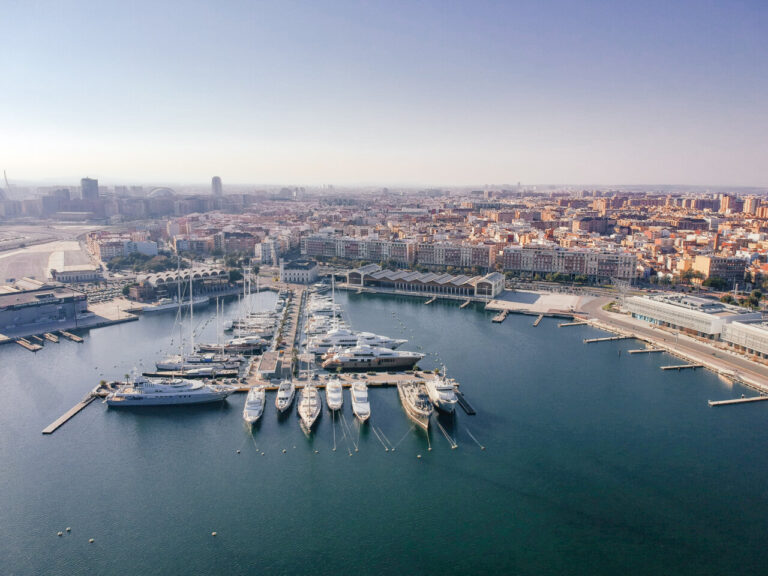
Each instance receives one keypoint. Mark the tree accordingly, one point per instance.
(235, 276)
(716, 283)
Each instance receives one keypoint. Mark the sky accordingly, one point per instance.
(386, 93)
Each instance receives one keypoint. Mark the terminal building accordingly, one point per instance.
(748, 338)
(703, 317)
(488, 286)
(43, 307)
(298, 272)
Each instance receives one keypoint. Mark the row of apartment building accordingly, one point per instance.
(530, 258)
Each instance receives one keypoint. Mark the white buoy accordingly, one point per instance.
(90, 541)
(60, 534)
(238, 451)
(69, 529)
(213, 534)
(283, 450)
(418, 456)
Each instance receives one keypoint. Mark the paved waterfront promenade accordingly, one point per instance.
(715, 358)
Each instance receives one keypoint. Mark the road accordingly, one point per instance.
(746, 370)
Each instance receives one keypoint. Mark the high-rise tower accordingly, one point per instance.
(89, 188)
(216, 186)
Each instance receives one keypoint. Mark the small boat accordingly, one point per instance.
(285, 394)
(333, 394)
(358, 393)
(309, 406)
(416, 402)
(254, 404)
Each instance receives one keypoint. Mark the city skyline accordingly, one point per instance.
(386, 94)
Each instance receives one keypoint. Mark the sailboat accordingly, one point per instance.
(309, 405)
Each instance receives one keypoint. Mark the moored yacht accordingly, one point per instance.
(333, 394)
(143, 391)
(254, 404)
(365, 357)
(346, 338)
(442, 393)
(285, 394)
(416, 402)
(358, 393)
(309, 406)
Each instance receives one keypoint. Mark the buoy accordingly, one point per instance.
(69, 529)
(90, 541)
(262, 453)
(238, 451)
(429, 449)
(283, 450)
(317, 451)
(60, 534)
(334, 449)
(418, 456)
(213, 534)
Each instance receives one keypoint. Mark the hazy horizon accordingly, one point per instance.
(397, 94)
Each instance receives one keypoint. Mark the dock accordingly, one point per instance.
(607, 339)
(500, 317)
(465, 304)
(466, 406)
(683, 367)
(565, 324)
(36, 339)
(539, 319)
(24, 343)
(69, 414)
(737, 401)
(646, 351)
(431, 300)
(70, 336)
(51, 337)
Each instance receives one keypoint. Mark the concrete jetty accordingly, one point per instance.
(51, 428)
(737, 401)
(24, 343)
(51, 337)
(646, 351)
(465, 304)
(539, 319)
(466, 406)
(565, 324)
(500, 317)
(431, 300)
(606, 339)
(70, 336)
(683, 367)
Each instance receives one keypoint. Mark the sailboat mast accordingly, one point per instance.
(191, 317)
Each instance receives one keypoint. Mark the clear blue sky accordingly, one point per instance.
(390, 92)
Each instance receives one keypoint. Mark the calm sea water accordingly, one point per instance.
(594, 463)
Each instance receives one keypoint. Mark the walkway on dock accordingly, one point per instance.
(69, 414)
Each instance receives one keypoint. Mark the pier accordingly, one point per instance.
(70, 336)
(51, 428)
(465, 304)
(565, 324)
(24, 343)
(539, 319)
(500, 317)
(683, 367)
(431, 300)
(37, 339)
(737, 401)
(646, 351)
(606, 339)
(466, 406)
(51, 337)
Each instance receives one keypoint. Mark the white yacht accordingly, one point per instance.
(244, 345)
(198, 359)
(333, 394)
(358, 393)
(143, 391)
(442, 393)
(254, 404)
(416, 402)
(309, 406)
(347, 338)
(285, 394)
(365, 357)
(165, 304)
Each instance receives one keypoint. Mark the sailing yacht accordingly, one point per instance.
(309, 406)
(358, 393)
(285, 394)
(442, 393)
(254, 404)
(333, 394)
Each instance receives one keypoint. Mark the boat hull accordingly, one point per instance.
(372, 364)
(170, 400)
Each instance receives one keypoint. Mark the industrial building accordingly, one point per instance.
(41, 307)
(298, 272)
(372, 275)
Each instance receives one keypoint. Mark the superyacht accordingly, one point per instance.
(309, 406)
(346, 338)
(143, 391)
(333, 394)
(254, 404)
(358, 393)
(285, 393)
(442, 393)
(365, 357)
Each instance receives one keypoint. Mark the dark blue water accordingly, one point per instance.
(595, 463)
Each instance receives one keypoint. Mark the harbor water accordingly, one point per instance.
(594, 462)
